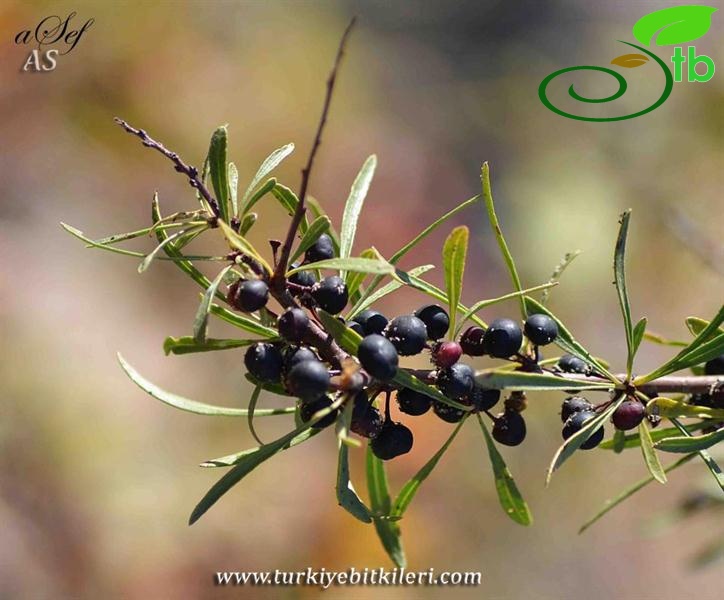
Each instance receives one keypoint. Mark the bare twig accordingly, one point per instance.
(190, 171)
(278, 278)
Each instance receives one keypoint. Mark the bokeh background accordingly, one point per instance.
(98, 479)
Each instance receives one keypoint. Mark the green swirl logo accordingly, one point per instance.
(675, 25)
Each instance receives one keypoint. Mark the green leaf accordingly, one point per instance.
(509, 496)
(346, 495)
(668, 408)
(182, 403)
(288, 199)
(408, 491)
(268, 186)
(649, 453)
(233, 178)
(638, 333)
(202, 314)
(710, 463)
(558, 272)
(566, 341)
(245, 323)
(619, 272)
(650, 336)
(405, 379)
(686, 444)
(188, 345)
(353, 207)
(239, 242)
(354, 279)
(218, 169)
(454, 253)
(319, 226)
(252, 410)
(361, 265)
(493, 218)
(316, 208)
(232, 459)
(697, 325)
(247, 223)
(627, 493)
(674, 25)
(632, 440)
(270, 163)
(169, 240)
(388, 531)
(366, 302)
(619, 441)
(574, 442)
(348, 339)
(518, 380)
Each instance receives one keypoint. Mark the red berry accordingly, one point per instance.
(628, 415)
(446, 354)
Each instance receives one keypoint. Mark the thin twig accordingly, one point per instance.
(278, 278)
(190, 171)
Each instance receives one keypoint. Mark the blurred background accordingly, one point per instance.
(98, 479)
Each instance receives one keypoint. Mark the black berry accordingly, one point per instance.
(509, 428)
(576, 422)
(540, 329)
(407, 333)
(307, 410)
(371, 321)
(502, 338)
(435, 319)
(356, 327)
(412, 402)
(628, 415)
(293, 324)
(457, 381)
(446, 354)
(366, 419)
(303, 278)
(264, 361)
(471, 341)
(330, 294)
(322, 249)
(574, 404)
(572, 364)
(378, 357)
(308, 379)
(393, 440)
(447, 413)
(715, 366)
(484, 399)
(293, 355)
(249, 296)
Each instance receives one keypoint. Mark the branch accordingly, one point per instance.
(281, 268)
(191, 172)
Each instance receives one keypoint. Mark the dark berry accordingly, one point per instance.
(249, 296)
(293, 324)
(447, 413)
(393, 440)
(378, 357)
(356, 327)
(322, 249)
(572, 364)
(407, 333)
(308, 379)
(293, 355)
(366, 419)
(435, 319)
(446, 354)
(471, 341)
(307, 410)
(509, 428)
(715, 366)
(575, 423)
(540, 329)
(303, 278)
(574, 404)
(502, 338)
(484, 399)
(457, 381)
(330, 294)
(264, 361)
(413, 403)
(371, 321)
(628, 415)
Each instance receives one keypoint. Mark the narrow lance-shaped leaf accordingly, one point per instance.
(188, 345)
(346, 495)
(169, 240)
(520, 381)
(710, 463)
(218, 169)
(366, 302)
(289, 201)
(353, 207)
(619, 441)
(454, 253)
(233, 178)
(232, 459)
(669, 408)
(238, 242)
(509, 496)
(558, 272)
(619, 272)
(270, 163)
(361, 265)
(632, 440)
(246, 323)
(354, 279)
(247, 223)
(252, 410)
(686, 444)
(649, 453)
(638, 334)
(202, 314)
(696, 325)
(268, 186)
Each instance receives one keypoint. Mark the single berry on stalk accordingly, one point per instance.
(248, 296)
(366, 419)
(576, 422)
(484, 398)
(509, 428)
(407, 333)
(574, 404)
(471, 341)
(322, 249)
(447, 413)
(393, 440)
(572, 364)
(307, 410)
(378, 357)
(303, 278)
(715, 366)
(540, 329)
(629, 414)
(436, 320)
(293, 324)
(264, 361)
(456, 381)
(293, 355)
(330, 294)
(502, 338)
(413, 403)
(446, 354)
(371, 321)
(308, 379)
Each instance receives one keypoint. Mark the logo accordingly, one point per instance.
(673, 26)
(50, 30)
